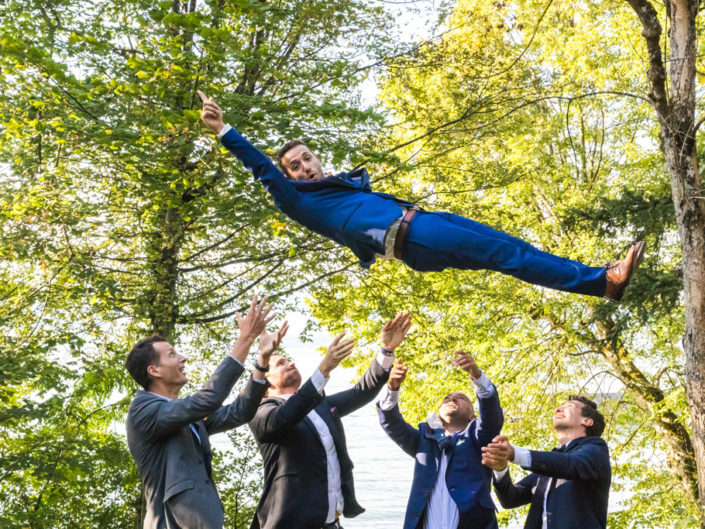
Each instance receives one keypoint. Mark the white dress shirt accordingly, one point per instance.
(441, 511)
(335, 493)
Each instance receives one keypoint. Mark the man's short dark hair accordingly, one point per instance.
(286, 148)
(589, 410)
(141, 357)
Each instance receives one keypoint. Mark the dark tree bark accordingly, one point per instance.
(675, 109)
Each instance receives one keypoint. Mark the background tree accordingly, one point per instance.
(533, 117)
(122, 217)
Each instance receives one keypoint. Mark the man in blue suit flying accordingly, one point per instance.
(344, 208)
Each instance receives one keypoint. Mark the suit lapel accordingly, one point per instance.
(307, 422)
(324, 412)
(312, 427)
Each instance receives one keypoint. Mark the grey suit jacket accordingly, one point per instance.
(174, 465)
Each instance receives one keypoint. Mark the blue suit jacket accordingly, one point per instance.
(467, 479)
(579, 499)
(341, 207)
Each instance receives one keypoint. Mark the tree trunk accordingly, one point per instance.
(164, 271)
(676, 113)
(679, 445)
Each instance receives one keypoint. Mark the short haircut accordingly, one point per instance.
(141, 357)
(286, 148)
(589, 410)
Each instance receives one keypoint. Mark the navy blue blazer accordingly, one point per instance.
(342, 207)
(467, 479)
(581, 491)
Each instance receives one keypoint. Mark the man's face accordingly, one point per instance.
(171, 369)
(301, 164)
(455, 408)
(569, 416)
(283, 373)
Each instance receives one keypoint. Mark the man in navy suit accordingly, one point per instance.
(451, 487)
(568, 488)
(345, 209)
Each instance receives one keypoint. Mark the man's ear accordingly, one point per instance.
(587, 422)
(153, 371)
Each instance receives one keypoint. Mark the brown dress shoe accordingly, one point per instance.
(619, 274)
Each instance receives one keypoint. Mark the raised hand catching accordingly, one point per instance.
(337, 350)
(467, 363)
(394, 331)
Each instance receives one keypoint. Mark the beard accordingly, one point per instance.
(291, 379)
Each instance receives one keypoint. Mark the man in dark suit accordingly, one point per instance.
(345, 209)
(451, 487)
(568, 488)
(308, 480)
(168, 436)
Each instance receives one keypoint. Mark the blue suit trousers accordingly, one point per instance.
(437, 240)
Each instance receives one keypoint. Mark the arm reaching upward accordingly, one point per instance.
(491, 419)
(285, 195)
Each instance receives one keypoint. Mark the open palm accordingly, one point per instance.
(269, 342)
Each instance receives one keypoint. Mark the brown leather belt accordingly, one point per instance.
(403, 229)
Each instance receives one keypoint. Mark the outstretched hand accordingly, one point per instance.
(211, 114)
(255, 321)
(394, 331)
(467, 363)
(269, 342)
(397, 375)
(496, 454)
(337, 350)
(251, 325)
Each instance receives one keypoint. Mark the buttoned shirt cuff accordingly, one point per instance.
(386, 360)
(318, 380)
(389, 399)
(260, 380)
(225, 130)
(522, 456)
(499, 474)
(483, 386)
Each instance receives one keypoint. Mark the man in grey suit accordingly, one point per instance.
(168, 436)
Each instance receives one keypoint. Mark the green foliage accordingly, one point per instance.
(509, 120)
(120, 215)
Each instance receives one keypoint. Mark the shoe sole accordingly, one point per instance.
(636, 261)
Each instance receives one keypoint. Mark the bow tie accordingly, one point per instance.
(447, 443)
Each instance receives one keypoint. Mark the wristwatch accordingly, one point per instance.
(260, 368)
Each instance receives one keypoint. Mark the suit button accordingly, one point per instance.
(207, 481)
(452, 488)
(200, 461)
